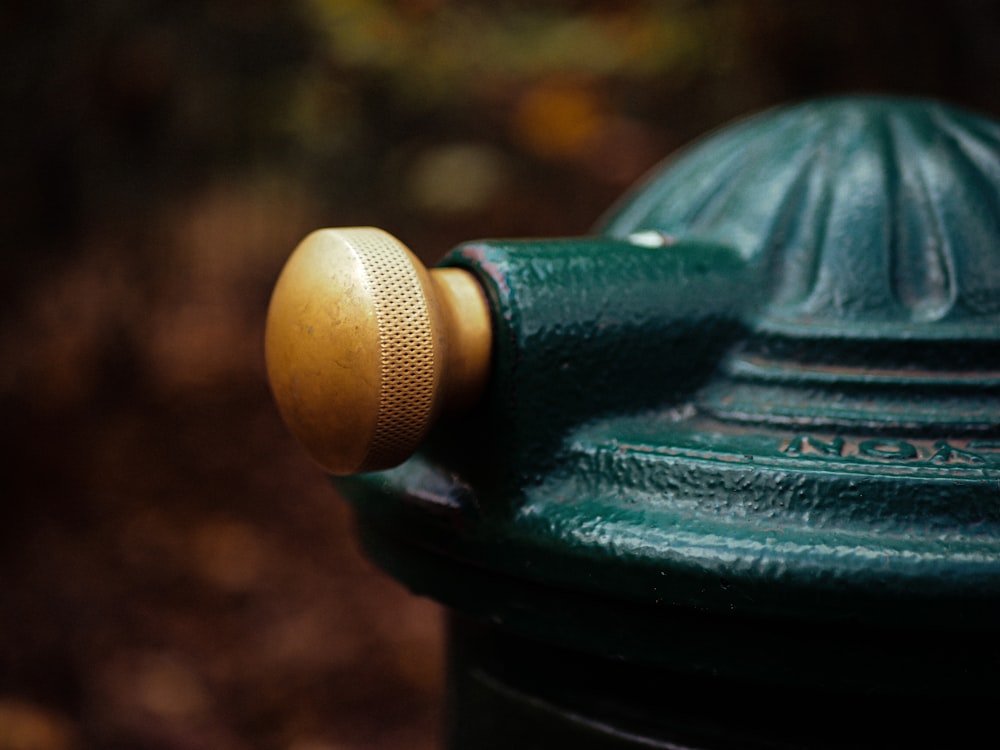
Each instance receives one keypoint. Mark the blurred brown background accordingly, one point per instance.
(174, 573)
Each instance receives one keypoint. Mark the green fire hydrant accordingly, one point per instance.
(725, 474)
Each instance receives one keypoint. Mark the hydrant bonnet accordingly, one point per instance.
(874, 217)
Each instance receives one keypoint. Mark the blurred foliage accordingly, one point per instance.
(173, 572)
(112, 106)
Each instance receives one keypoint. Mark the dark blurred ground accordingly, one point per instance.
(174, 573)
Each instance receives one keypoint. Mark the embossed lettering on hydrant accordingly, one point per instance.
(938, 452)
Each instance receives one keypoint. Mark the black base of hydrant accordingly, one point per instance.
(514, 693)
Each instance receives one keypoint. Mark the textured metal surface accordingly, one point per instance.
(591, 326)
(365, 347)
(405, 347)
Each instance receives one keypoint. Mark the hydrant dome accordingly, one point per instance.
(868, 217)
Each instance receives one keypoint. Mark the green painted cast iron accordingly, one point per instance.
(735, 480)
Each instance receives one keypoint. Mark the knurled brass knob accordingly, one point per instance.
(365, 347)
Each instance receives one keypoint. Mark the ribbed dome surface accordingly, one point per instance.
(870, 218)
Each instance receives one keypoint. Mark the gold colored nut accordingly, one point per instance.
(365, 347)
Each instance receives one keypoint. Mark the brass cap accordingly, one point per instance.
(365, 347)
